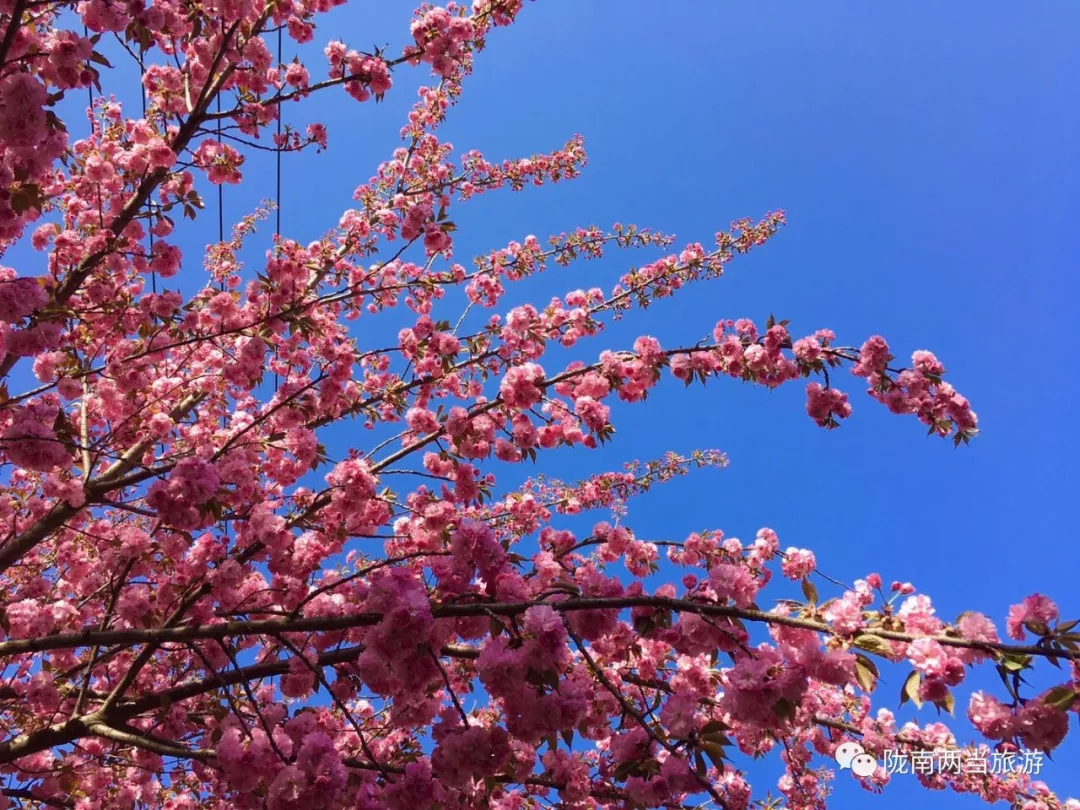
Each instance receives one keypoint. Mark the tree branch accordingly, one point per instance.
(273, 627)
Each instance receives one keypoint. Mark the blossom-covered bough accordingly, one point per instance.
(203, 606)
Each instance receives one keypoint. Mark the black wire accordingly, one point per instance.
(220, 191)
(277, 192)
(279, 149)
(149, 202)
(93, 129)
(221, 204)
(221, 186)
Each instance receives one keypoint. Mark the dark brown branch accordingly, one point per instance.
(644, 724)
(147, 742)
(113, 478)
(12, 29)
(273, 627)
(74, 280)
(28, 796)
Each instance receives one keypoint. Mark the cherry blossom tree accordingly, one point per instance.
(204, 606)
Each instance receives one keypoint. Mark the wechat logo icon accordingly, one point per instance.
(852, 755)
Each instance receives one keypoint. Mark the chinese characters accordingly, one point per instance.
(956, 761)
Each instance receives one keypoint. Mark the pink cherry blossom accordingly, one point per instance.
(798, 563)
(1034, 612)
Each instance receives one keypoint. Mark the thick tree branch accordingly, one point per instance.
(272, 627)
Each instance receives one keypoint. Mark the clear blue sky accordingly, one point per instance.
(926, 155)
(927, 158)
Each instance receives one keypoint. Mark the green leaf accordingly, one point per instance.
(1015, 662)
(948, 703)
(25, 197)
(1061, 697)
(910, 690)
(717, 738)
(715, 753)
(784, 708)
(699, 762)
(809, 591)
(873, 644)
(866, 672)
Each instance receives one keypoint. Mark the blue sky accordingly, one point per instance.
(926, 157)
